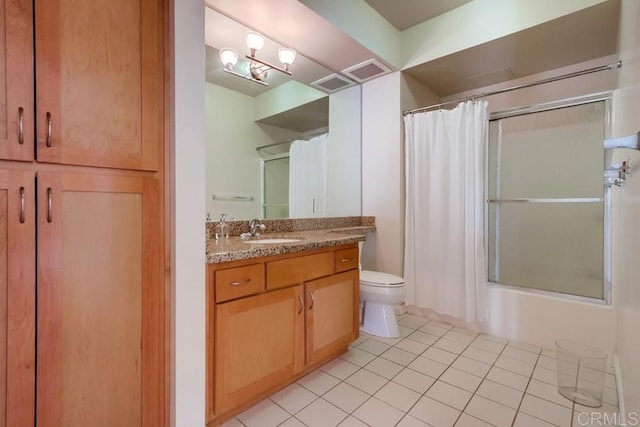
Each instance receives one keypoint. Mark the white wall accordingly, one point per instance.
(383, 173)
(344, 171)
(186, 157)
(626, 232)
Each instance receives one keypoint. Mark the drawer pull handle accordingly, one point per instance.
(347, 259)
(301, 304)
(244, 282)
(50, 205)
(313, 300)
(49, 129)
(22, 205)
(20, 125)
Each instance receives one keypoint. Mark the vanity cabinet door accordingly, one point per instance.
(259, 344)
(332, 316)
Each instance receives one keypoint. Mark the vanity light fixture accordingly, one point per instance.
(257, 67)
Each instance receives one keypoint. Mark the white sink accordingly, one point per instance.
(272, 241)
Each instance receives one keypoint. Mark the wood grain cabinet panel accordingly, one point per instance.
(99, 76)
(100, 302)
(16, 80)
(17, 298)
(346, 259)
(297, 270)
(232, 283)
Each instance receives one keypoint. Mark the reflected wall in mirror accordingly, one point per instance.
(251, 127)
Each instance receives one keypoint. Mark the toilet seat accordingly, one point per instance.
(377, 278)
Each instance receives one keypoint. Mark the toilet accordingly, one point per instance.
(379, 292)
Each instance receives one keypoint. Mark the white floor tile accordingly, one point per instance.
(516, 366)
(398, 396)
(524, 346)
(409, 421)
(449, 395)
(508, 378)
(548, 392)
(524, 420)
(518, 354)
(383, 367)
(358, 357)
(374, 347)
(467, 420)
(459, 337)
(490, 411)
(423, 337)
(465, 331)
(499, 393)
(318, 382)
(493, 338)
(549, 352)
(471, 366)
(547, 362)
(352, 421)
(359, 341)
(414, 380)
(292, 422)
(377, 413)
(610, 396)
(461, 379)
(545, 410)
(264, 414)
(346, 397)
(388, 341)
(404, 331)
(434, 330)
(610, 381)
(233, 422)
(428, 366)
(340, 368)
(412, 346)
(451, 346)
(434, 413)
(486, 345)
(480, 355)
(399, 356)
(321, 414)
(413, 322)
(366, 381)
(439, 355)
(293, 398)
(546, 375)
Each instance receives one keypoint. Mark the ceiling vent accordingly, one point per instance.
(332, 83)
(366, 70)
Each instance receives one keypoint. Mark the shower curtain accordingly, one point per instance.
(444, 260)
(308, 177)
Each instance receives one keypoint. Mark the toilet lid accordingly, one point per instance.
(376, 278)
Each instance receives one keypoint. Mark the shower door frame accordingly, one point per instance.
(607, 195)
(263, 183)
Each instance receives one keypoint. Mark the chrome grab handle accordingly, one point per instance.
(244, 282)
(49, 130)
(301, 304)
(50, 203)
(22, 205)
(20, 125)
(347, 259)
(313, 300)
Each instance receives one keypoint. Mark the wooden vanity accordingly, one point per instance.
(272, 319)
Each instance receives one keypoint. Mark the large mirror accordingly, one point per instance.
(290, 148)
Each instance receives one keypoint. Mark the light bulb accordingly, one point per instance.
(229, 57)
(255, 42)
(287, 56)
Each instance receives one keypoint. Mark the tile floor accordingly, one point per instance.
(432, 375)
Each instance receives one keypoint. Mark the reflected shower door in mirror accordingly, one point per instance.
(250, 128)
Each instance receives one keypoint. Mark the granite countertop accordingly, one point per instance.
(235, 248)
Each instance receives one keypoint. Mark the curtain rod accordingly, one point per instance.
(522, 86)
(291, 140)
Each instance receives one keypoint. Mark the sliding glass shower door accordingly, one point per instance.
(547, 201)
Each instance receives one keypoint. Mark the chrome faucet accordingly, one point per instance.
(255, 227)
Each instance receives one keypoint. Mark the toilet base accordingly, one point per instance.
(380, 320)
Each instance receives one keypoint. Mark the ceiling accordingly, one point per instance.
(404, 14)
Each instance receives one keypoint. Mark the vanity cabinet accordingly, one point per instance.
(303, 313)
(82, 187)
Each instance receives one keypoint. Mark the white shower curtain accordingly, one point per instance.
(308, 177)
(444, 261)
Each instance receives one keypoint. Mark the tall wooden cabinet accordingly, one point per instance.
(82, 276)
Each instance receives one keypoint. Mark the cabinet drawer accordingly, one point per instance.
(297, 270)
(239, 282)
(346, 259)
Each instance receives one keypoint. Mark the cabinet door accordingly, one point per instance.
(332, 315)
(259, 344)
(99, 75)
(100, 343)
(16, 80)
(17, 298)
